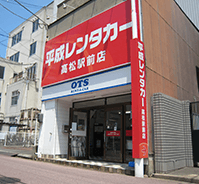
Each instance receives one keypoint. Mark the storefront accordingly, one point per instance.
(102, 129)
(114, 104)
(88, 72)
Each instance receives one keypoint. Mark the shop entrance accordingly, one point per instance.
(105, 141)
(101, 133)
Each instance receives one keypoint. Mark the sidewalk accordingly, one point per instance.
(17, 151)
(187, 174)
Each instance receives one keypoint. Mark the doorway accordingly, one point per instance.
(102, 132)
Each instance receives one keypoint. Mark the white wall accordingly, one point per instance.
(52, 141)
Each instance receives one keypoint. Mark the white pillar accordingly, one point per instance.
(139, 167)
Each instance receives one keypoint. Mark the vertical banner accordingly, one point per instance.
(139, 110)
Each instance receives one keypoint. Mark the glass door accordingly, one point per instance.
(113, 134)
(77, 137)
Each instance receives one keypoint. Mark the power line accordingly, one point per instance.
(4, 35)
(14, 13)
(18, 51)
(46, 25)
(28, 4)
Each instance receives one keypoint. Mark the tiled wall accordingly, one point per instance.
(172, 133)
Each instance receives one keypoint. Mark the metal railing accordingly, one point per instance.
(19, 139)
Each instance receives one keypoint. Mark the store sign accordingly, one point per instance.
(139, 110)
(112, 133)
(97, 44)
(80, 85)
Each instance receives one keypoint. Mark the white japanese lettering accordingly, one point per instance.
(85, 44)
(107, 29)
(59, 53)
(69, 54)
(96, 36)
(64, 69)
(101, 56)
(50, 57)
(81, 63)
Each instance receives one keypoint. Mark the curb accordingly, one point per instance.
(90, 166)
(194, 178)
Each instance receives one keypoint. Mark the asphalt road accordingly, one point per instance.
(17, 170)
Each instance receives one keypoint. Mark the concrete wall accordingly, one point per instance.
(10, 69)
(172, 133)
(85, 9)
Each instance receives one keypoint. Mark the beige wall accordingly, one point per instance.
(172, 53)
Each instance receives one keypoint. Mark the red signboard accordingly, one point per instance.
(97, 44)
(112, 133)
(139, 110)
(128, 133)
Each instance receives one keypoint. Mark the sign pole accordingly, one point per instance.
(138, 82)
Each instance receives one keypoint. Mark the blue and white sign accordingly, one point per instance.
(101, 81)
(80, 85)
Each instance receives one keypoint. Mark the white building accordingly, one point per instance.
(26, 49)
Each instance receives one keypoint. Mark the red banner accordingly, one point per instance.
(97, 44)
(139, 110)
(112, 133)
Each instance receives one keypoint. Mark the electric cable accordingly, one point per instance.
(45, 24)
(4, 35)
(28, 4)
(14, 13)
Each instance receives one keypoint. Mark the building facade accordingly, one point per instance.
(87, 83)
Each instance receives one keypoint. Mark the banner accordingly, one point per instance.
(98, 44)
(139, 109)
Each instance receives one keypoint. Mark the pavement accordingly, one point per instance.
(186, 174)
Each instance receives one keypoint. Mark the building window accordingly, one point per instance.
(15, 57)
(35, 25)
(15, 96)
(31, 72)
(16, 38)
(33, 48)
(2, 72)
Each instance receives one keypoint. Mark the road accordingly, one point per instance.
(17, 170)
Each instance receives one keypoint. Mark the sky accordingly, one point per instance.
(9, 21)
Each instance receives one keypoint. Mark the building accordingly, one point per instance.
(26, 48)
(87, 85)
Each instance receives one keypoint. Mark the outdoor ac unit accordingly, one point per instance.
(65, 128)
(40, 117)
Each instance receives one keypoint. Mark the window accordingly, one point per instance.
(16, 38)
(33, 48)
(15, 96)
(0, 99)
(15, 57)
(2, 72)
(12, 119)
(31, 72)
(35, 25)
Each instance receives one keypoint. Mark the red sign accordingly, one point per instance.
(112, 133)
(128, 133)
(97, 44)
(139, 110)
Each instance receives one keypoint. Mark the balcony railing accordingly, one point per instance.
(21, 76)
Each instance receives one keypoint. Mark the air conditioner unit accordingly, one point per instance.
(65, 128)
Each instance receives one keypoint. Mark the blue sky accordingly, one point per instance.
(9, 21)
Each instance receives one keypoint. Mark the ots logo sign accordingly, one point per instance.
(80, 85)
